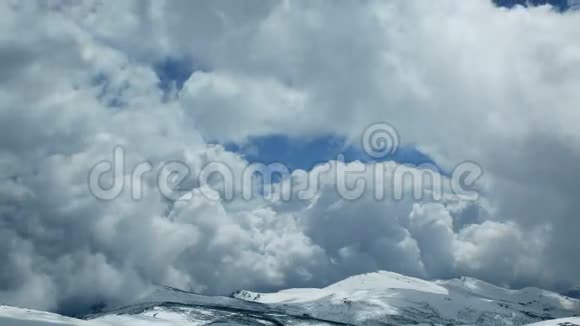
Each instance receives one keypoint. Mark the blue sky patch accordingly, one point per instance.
(305, 153)
(560, 4)
(173, 72)
(108, 95)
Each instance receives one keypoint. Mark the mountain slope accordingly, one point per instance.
(574, 321)
(391, 298)
(381, 298)
(166, 303)
(11, 316)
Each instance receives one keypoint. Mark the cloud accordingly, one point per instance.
(460, 80)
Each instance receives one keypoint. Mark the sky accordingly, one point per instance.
(559, 4)
(293, 82)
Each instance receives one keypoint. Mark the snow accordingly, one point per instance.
(383, 280)
(167, 319)
(374, 298)
(390, 297)
(12, 316)
(574, 321)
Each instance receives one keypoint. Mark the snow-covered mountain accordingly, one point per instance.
(11, 316)
(390, 298)
(574, 321)
(381, 298)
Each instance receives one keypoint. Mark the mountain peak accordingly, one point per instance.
(373, 298)
(391, 297)
(384, 280)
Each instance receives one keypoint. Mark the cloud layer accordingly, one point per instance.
(462, 80)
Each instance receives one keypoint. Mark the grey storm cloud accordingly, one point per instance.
(463, 80)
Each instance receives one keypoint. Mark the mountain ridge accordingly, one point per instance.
(380, 298)
(385, 296)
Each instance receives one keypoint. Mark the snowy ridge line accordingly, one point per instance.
(13, 316)
(381, 298)
(140, 308)
(573, 321)
(169, 297)
(393, 298)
